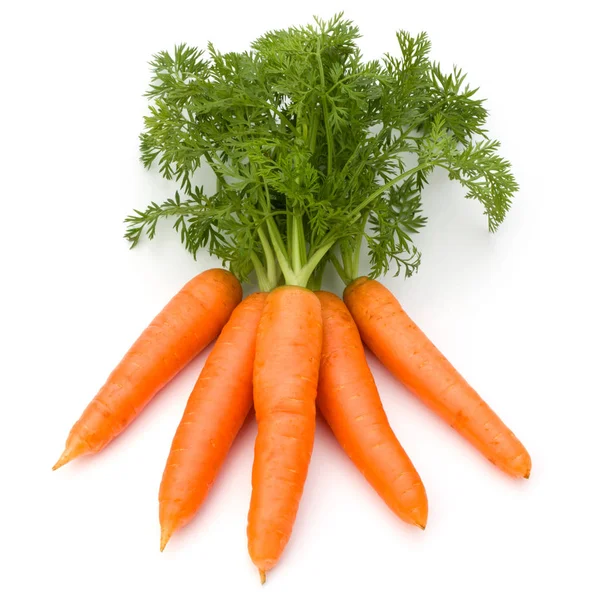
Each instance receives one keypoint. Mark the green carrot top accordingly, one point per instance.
(313, 149)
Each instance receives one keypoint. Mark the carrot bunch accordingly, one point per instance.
(301, 182)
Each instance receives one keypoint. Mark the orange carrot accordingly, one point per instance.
(216, 409)
(286, 372)
(349, 401)
(186, 325)
(411, 357)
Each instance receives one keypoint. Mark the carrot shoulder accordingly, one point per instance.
(216, 409)
(186, 325)
(412, 358)
(286, 371)
(349, 401)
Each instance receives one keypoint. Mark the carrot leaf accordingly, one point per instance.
(312, 149)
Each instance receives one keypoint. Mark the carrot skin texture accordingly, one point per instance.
(413, 359)
(349, 401)
(214, 414)
(286, 372)
(186, 325)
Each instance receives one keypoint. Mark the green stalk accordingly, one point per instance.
(301, 241)
(316, 279)
(313, 132)
(350, 263)
(269, 257)
(340, 270)
(288, 228)
(354, 213)
(296, 242)
(325, 112)
(312, 264)
(280, 253)
(356, 258)
(346, 253)
(295, 273)
(263, 281)
(357, 248)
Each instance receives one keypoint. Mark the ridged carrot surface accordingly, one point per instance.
(216, 409)
(286, 371)
(186, 325)
(411, 357)
(349, 401)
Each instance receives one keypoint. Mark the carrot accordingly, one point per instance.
(185, 326)
(412, 358)
(286, 371)
(216, 409)
(349, 401)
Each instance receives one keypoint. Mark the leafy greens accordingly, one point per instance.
(314, 149)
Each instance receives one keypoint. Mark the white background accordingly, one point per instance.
(516, 312)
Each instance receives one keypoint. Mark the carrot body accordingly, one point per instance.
(186, 325)
(412, 358)
(216, 409)
(286, 371)
(349, 401)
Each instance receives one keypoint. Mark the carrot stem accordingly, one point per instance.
(261, 275)
(340, 270)
(269, 258)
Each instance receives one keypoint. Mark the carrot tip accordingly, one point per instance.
(263, 576)
(65, 457)
(165, 536)
(419, 515)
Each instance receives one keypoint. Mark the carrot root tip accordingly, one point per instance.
(65, 457)
(165, 536)
(263, 576)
